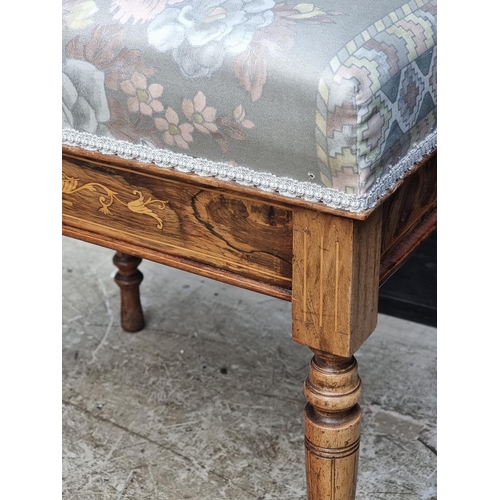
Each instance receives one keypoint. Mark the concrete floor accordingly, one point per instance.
(206, 402)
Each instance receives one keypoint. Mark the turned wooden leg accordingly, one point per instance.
(335, 275)
(128, 278)
(332, 427)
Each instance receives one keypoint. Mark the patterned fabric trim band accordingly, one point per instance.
(247, 177)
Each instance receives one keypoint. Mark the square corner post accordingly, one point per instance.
(336, 268)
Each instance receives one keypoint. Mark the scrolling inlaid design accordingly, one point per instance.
(71, 185)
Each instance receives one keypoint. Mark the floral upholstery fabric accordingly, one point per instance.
(331, 101)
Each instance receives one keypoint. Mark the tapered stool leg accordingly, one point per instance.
(128, 278)
(332, 427)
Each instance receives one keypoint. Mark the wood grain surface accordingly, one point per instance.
(413, 204)
(335, 280)
(332, 420)
(249, 238)
(128, 278)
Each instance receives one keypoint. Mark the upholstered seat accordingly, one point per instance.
(328, 101)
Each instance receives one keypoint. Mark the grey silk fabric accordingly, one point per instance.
(317, 100)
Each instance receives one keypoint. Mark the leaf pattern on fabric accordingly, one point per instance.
(250, 70)
(122, 127)
(275, 40)
(229, 128)
(103, 45)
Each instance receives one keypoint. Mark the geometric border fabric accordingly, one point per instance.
(377, 98)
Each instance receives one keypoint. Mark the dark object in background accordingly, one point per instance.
(411, 292)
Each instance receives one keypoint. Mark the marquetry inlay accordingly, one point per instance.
(221, 231)
(71, 185)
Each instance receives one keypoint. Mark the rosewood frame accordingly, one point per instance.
(327, 262)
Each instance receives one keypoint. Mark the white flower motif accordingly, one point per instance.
(202, 33)
(138, 10)
(84, 103)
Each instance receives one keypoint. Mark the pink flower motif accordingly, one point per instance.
(144, 98)
(239, 117)
(140, 10)
(175, 134)
(197, 112)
